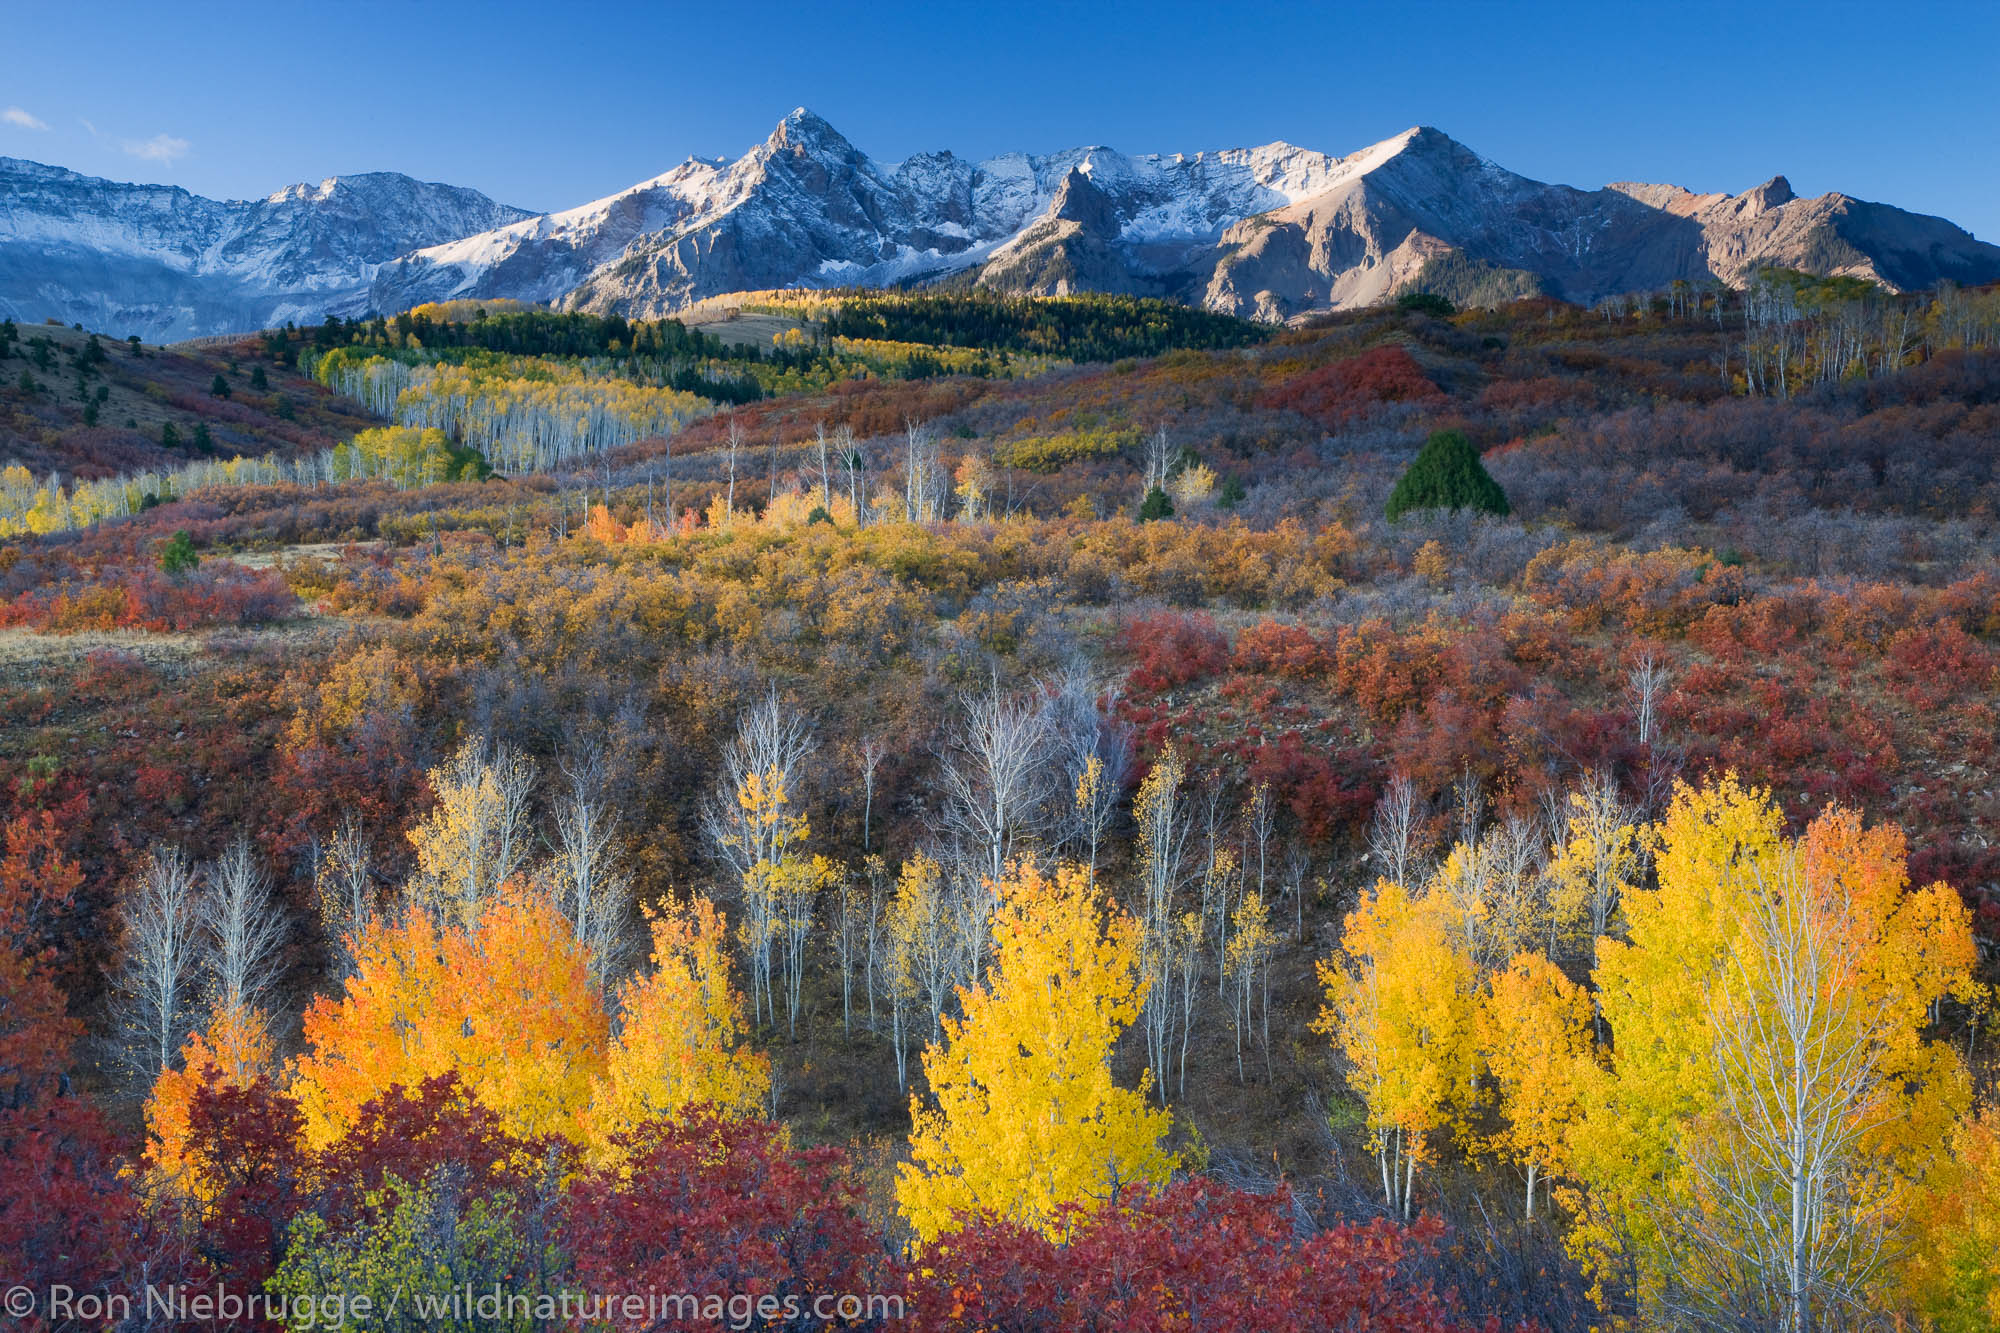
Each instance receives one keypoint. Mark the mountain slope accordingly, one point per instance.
(163, 263)
(807, 208)
(1270, 232)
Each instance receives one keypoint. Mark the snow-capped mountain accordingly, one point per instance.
(1270, 232)
(1430, 210)
(163, 263)
(806, 207)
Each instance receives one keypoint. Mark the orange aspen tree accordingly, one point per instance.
(1534, 1035)
(508, 1003)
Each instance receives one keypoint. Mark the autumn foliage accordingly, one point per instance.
(1345, 390)
(1197, 1255)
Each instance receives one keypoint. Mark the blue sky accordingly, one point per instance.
(548, 105)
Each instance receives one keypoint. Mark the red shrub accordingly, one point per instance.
(141, 597)
(1346, 390)
(1325, 790)
(1169, 650)
(1543, 394)
(1201, 1255)
(1930, 665)
(250, 1136)
(408, 1133)
(722, 1208)
(1273, 648)
(68, 1213)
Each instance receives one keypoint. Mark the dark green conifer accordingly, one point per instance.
(1447, 474)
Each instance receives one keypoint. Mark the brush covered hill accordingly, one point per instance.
(88, 405)
(1759, 540)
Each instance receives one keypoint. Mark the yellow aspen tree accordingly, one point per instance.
(1251, 944)
(476, 836)
(507, 1003)
(754, 824)
(1651, 991)
(235, 1051)
(1772, 1099)
(1949, 1276)
(1089, 799)
(1399, 1006)
(1027, 1118)
(682, 1038)
(1534, 1036)
(1462, 891)
(1595, 867)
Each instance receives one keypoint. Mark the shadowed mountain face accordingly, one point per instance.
(160, 262)
(1270, 232)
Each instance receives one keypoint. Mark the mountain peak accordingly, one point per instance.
(805, 128)
(1770, 194)
(1079, 200)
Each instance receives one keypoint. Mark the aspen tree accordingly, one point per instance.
(924, 938)
(505, 1002)
(245, 929)
(1163, 831)
(593, 890)
(1772, 1100)
(1596, 865)
(1251, 945)
(1399, 1005)
(681, 1039)
(1534, 1035)
(1026, 1116)
(158, 981)
(234, 1051)
(752, 821)
(344, 887)
(476, 836)
(995, 775)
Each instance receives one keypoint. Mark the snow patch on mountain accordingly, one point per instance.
(161, 262)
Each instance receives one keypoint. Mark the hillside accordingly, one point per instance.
(87, 405)
(1747, 533)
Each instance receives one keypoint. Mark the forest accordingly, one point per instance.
(1416, 819)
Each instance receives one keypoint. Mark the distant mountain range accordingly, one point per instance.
(1268, 232)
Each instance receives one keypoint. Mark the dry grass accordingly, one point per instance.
(741, 330)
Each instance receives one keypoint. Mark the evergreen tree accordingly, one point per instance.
(177, 554)
(219, 388)
(1156, 505)
(203, 442)
(1427, 303)
(258, 380)
(1447, 474)
(169, 437)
